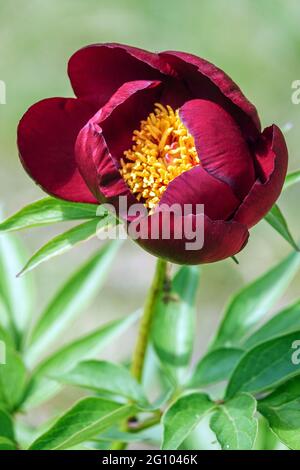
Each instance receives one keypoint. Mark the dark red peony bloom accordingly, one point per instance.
(159, 129)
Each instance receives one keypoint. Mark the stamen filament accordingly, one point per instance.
(162, 150)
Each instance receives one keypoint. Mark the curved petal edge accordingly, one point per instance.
(272, 157)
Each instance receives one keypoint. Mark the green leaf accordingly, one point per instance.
(174, 322)
(102, 376)
(49, 211)
(286, 321)
(12, 380)
(265, 366)
(215, 366)
(16, 295)
(234, 423)
(182, 417)
(7, 444)
(265, 439)
(6, 425)
(41, 388)
(282, 410)
(67, 240)
(291, 179)
(83, 421)
(6, 340)
(155, 376)
(276, 219)
(251, 303)
(72, 298)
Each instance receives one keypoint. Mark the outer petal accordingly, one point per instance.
(196, 186)
(46, 138)
(100, 69)
(272, 159)
(102, 141)
(207, 81)
(222, 149)
(221, 239)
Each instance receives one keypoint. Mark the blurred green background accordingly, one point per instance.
(257, 42)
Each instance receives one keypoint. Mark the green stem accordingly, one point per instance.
(155, 419)
(159, 280)
(146, 321)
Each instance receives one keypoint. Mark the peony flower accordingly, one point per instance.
(158, 129)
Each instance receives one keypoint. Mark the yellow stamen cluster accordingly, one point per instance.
(162, 149)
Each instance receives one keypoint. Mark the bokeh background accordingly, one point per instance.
(257, 42)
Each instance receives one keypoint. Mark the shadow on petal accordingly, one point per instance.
(178, 239)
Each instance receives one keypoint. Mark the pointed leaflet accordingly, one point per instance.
(83, 421)
(41, 388)
(234, 423)
(174, 322)
(276, 219)
(71, 299)
(67, 240)
(102, 376)
(16, 295)
(251, 303)
(50, 211)
(282, 410)
(291, 179)
(215, 366)
(6, 425)
(182, 417)
(286, 321)
(12, 380)
(5, 341)
(265, 366)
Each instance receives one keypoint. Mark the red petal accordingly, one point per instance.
(272, 158)
(207, 81)
(221, 239)
(100, 69)
(46, 138)
(103, 140)
(196, 186)
(222, 150)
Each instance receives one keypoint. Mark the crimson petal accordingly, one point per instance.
(46, 138)
(98, 150)
(272, 159)
(221, 239)
(196, 186)
(100, 69)
(207, 81)
(220, 145)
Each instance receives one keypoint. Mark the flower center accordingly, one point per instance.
(162, 149)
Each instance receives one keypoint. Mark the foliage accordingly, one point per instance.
(245, 383)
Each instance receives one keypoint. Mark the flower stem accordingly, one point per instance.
(160, 277)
